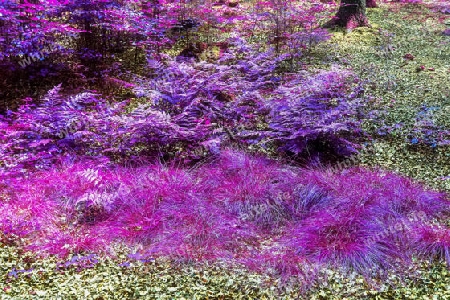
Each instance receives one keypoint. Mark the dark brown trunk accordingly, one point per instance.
(371, 3)
(351, 14)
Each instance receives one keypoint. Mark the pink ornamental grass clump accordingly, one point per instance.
(252, 189)
(163, 209)
(340, 239)
(239, 208)
(433, 241)
(368, 223)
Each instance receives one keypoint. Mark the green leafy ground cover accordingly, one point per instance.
(28, 278)
(399, 89)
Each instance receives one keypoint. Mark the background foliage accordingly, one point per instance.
(133, 143)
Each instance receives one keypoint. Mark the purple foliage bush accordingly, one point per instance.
(189, 111)
(85, 125)
(318, 114)
(236, 208)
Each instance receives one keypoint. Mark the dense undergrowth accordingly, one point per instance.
(235, 207)
(144, 173)
(239, 211)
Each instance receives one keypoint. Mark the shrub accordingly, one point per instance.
(192, 111)
(318, 115)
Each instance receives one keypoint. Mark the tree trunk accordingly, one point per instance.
(371, 3)
(351, 14)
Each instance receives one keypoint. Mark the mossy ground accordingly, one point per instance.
(396, 86)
